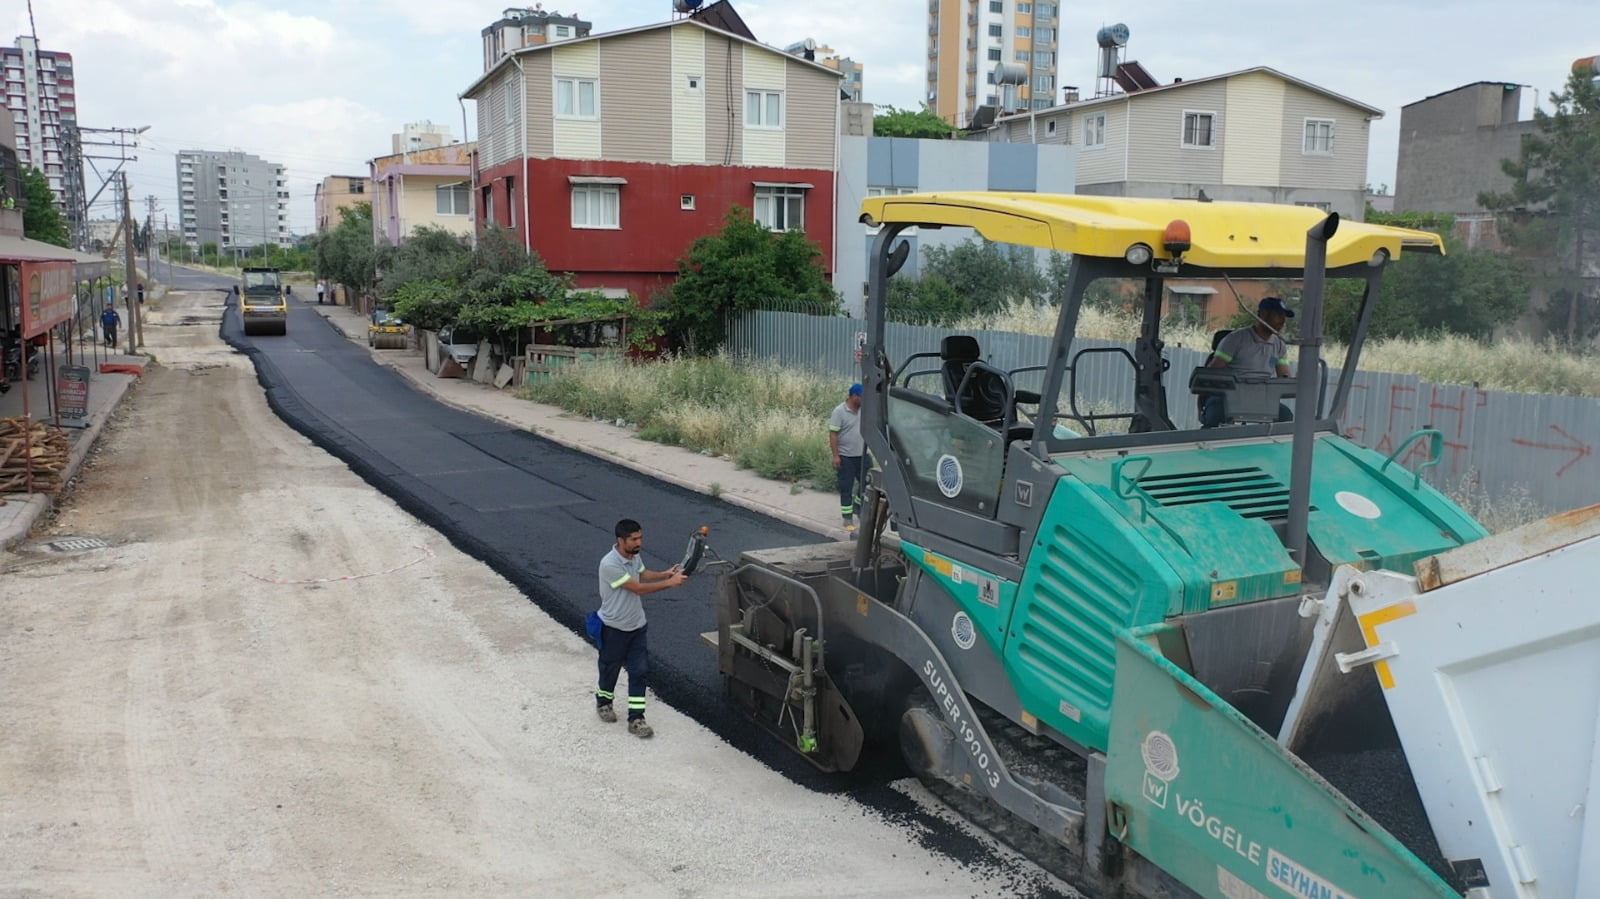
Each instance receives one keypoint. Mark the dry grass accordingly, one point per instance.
(766, 418)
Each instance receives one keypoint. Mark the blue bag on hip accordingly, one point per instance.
(592, 625)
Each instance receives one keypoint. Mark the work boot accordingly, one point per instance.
(606, 713)
(850, 525)
(638, 728)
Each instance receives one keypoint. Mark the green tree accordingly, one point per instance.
(41, 220)
(431, 254)
(924, 123)
(345, 253)
(740, 268)
(1555, 201)
(990, 275)
(1466, 292)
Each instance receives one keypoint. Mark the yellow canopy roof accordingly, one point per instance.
(1224, 235)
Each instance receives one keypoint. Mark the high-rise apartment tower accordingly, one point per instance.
(996, 53)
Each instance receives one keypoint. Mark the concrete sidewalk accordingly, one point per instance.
(800, 506)
(19, 511)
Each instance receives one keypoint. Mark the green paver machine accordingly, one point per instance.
(1174, 651)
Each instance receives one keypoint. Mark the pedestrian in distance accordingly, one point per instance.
(141, 293)
(849, 454)
(322, 288)
(624, 581)
(109, 322)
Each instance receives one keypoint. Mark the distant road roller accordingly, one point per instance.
(387, 332)
(263, 308)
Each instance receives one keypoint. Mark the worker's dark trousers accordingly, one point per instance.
(618, 650)
(851, 483)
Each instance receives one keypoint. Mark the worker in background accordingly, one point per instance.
(849, 452)
(623, 582)
(1257, 350)
(109, 322)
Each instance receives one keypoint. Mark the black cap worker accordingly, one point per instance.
(1258, 349)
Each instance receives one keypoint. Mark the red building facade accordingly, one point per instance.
(609, 155)
(661, 210)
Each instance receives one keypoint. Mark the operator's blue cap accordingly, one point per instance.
(1274, 304)
(855, 389)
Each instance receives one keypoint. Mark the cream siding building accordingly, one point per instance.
(1256, 135)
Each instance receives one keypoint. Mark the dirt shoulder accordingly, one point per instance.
(276, 681)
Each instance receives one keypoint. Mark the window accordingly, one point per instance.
(1050, 127)
(511, 102)
(563, 31)
(1024, 31)
(1044, 59)
(575, 98)
(1044, 11)
(1044, 35)
(781, 208)
(452, 199)
(693, 82)
(596, 206)
(1197, 129)
(358, 187)
(992, 100)
(1325, 207)
(997, 5)
(763, 109)
(686, 201)
(1319, 136)
(994, 54)
(1044, 83)
(1094, 131)
(1022, 56)
(996, 30)
(1024, 8)
(511, 200)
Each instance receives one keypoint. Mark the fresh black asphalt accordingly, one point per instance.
(542, 515)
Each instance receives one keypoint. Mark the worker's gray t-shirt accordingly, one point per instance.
(1245, 352)
(620, 608)
(848, 426)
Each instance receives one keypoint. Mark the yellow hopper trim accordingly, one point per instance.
(1224, 235)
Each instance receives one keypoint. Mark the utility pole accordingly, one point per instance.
(150, 237)
(166, 228)
(135, 338)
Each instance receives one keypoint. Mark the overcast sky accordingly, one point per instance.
(320, 86)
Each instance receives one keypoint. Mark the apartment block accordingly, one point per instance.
(520, 28)
(337, 192)
(430, 188)
(853, 72)
(422, 135)
(231, 199)
(998, 53)
(41, 97)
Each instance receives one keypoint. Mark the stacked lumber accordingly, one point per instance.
(26, 444)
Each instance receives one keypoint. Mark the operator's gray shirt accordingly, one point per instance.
(620, 608)
(1245, 352)
(847, 425)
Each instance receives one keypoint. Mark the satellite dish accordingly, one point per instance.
(686, 5)
(1112, 36)
(809, 43)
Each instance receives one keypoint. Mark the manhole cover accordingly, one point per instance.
(76, 544)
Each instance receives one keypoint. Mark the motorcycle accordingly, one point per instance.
(13, 360)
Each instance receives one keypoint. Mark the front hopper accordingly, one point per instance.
(1195, 787)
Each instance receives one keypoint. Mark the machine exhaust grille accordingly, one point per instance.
(1249, 491)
